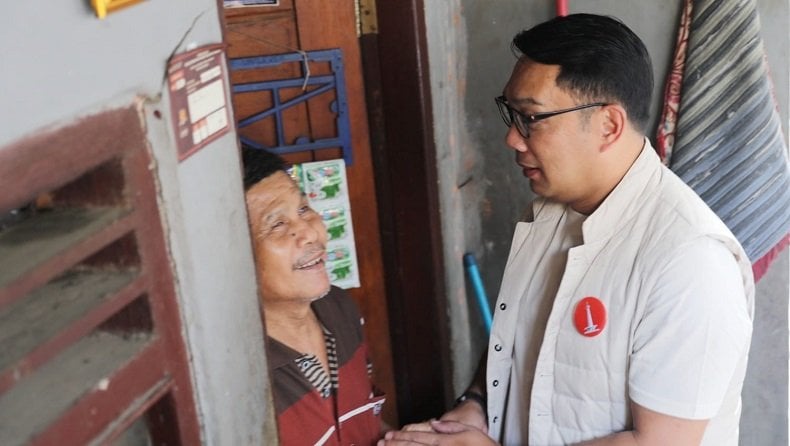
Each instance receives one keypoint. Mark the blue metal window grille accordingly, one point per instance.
(324, 83)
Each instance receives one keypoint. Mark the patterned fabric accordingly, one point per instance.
(665, 136)
(313, 370)
(725, 140)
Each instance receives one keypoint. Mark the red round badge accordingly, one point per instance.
(589, 317)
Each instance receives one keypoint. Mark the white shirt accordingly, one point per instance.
(532, 316)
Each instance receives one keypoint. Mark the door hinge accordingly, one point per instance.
(367, 23)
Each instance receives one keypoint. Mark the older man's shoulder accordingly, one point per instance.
(338, 305)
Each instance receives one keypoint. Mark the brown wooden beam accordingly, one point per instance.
(398, 94)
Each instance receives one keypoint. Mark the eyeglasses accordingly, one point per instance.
(511, 115)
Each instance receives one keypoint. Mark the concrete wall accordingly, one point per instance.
(59, 63)
(483, 192)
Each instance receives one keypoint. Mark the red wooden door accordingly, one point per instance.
(90, 332)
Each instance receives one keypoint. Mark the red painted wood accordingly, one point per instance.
(166, 312)
(48, 160)
(45, 164)
(74, 254)
(53, 346)
(95, 411)
(407, 186)
(157, 420)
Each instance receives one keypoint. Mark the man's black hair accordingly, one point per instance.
(259, 164)
(601, 60)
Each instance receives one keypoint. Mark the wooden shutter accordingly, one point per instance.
(91, 348)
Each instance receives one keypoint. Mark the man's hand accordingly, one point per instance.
(441, 433)
(465, 424)
(469, 413)
(425, 426)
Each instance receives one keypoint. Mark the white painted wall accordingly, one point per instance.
(57, 63)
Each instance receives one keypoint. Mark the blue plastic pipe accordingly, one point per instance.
(480, 293)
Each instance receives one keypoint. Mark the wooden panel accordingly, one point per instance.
(26, 167)
(165, 310)
(265, 32)
(28, 327)
(405, 159)
(102, 406)
(333, 25)
(28, 249)
(90, 321)
(37, 402)
(134, 415)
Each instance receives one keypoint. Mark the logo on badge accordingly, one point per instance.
(589, 317)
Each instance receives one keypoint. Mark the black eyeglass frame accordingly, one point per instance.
(509, 114)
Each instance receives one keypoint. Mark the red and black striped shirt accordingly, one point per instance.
(350, 412)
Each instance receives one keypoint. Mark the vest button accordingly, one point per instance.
(495, 383)
(502, 306)
(498, 348)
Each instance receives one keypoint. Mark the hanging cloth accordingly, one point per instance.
(720, 130)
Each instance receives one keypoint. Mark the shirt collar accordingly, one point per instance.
(279, 354)
(626, 198)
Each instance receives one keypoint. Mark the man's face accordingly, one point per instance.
(289, 241)
(559, 157)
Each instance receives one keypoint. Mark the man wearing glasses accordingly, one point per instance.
(625, 311)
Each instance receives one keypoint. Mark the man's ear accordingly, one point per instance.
(612, 125)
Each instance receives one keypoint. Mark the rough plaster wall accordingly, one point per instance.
(59, 63)
(496, 194)
(765, 392)
(465, 142)
(457, 162)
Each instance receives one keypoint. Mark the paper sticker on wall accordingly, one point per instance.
(199, 105)
(326, 187)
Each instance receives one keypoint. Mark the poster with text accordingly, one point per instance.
(198, 100)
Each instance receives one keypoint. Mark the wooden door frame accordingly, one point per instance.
(404, 157)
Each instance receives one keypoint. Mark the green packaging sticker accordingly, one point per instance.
(332, 213)
(324, 182)
(326, 187)
(340, 270)
(337, 230)
(335, 222)
(339, 263)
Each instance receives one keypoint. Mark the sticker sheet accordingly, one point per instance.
(326, 187)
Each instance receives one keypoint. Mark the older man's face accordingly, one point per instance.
(289, 241)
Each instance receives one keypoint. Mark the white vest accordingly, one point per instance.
(583, 385)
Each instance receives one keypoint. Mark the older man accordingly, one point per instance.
(316, 351)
